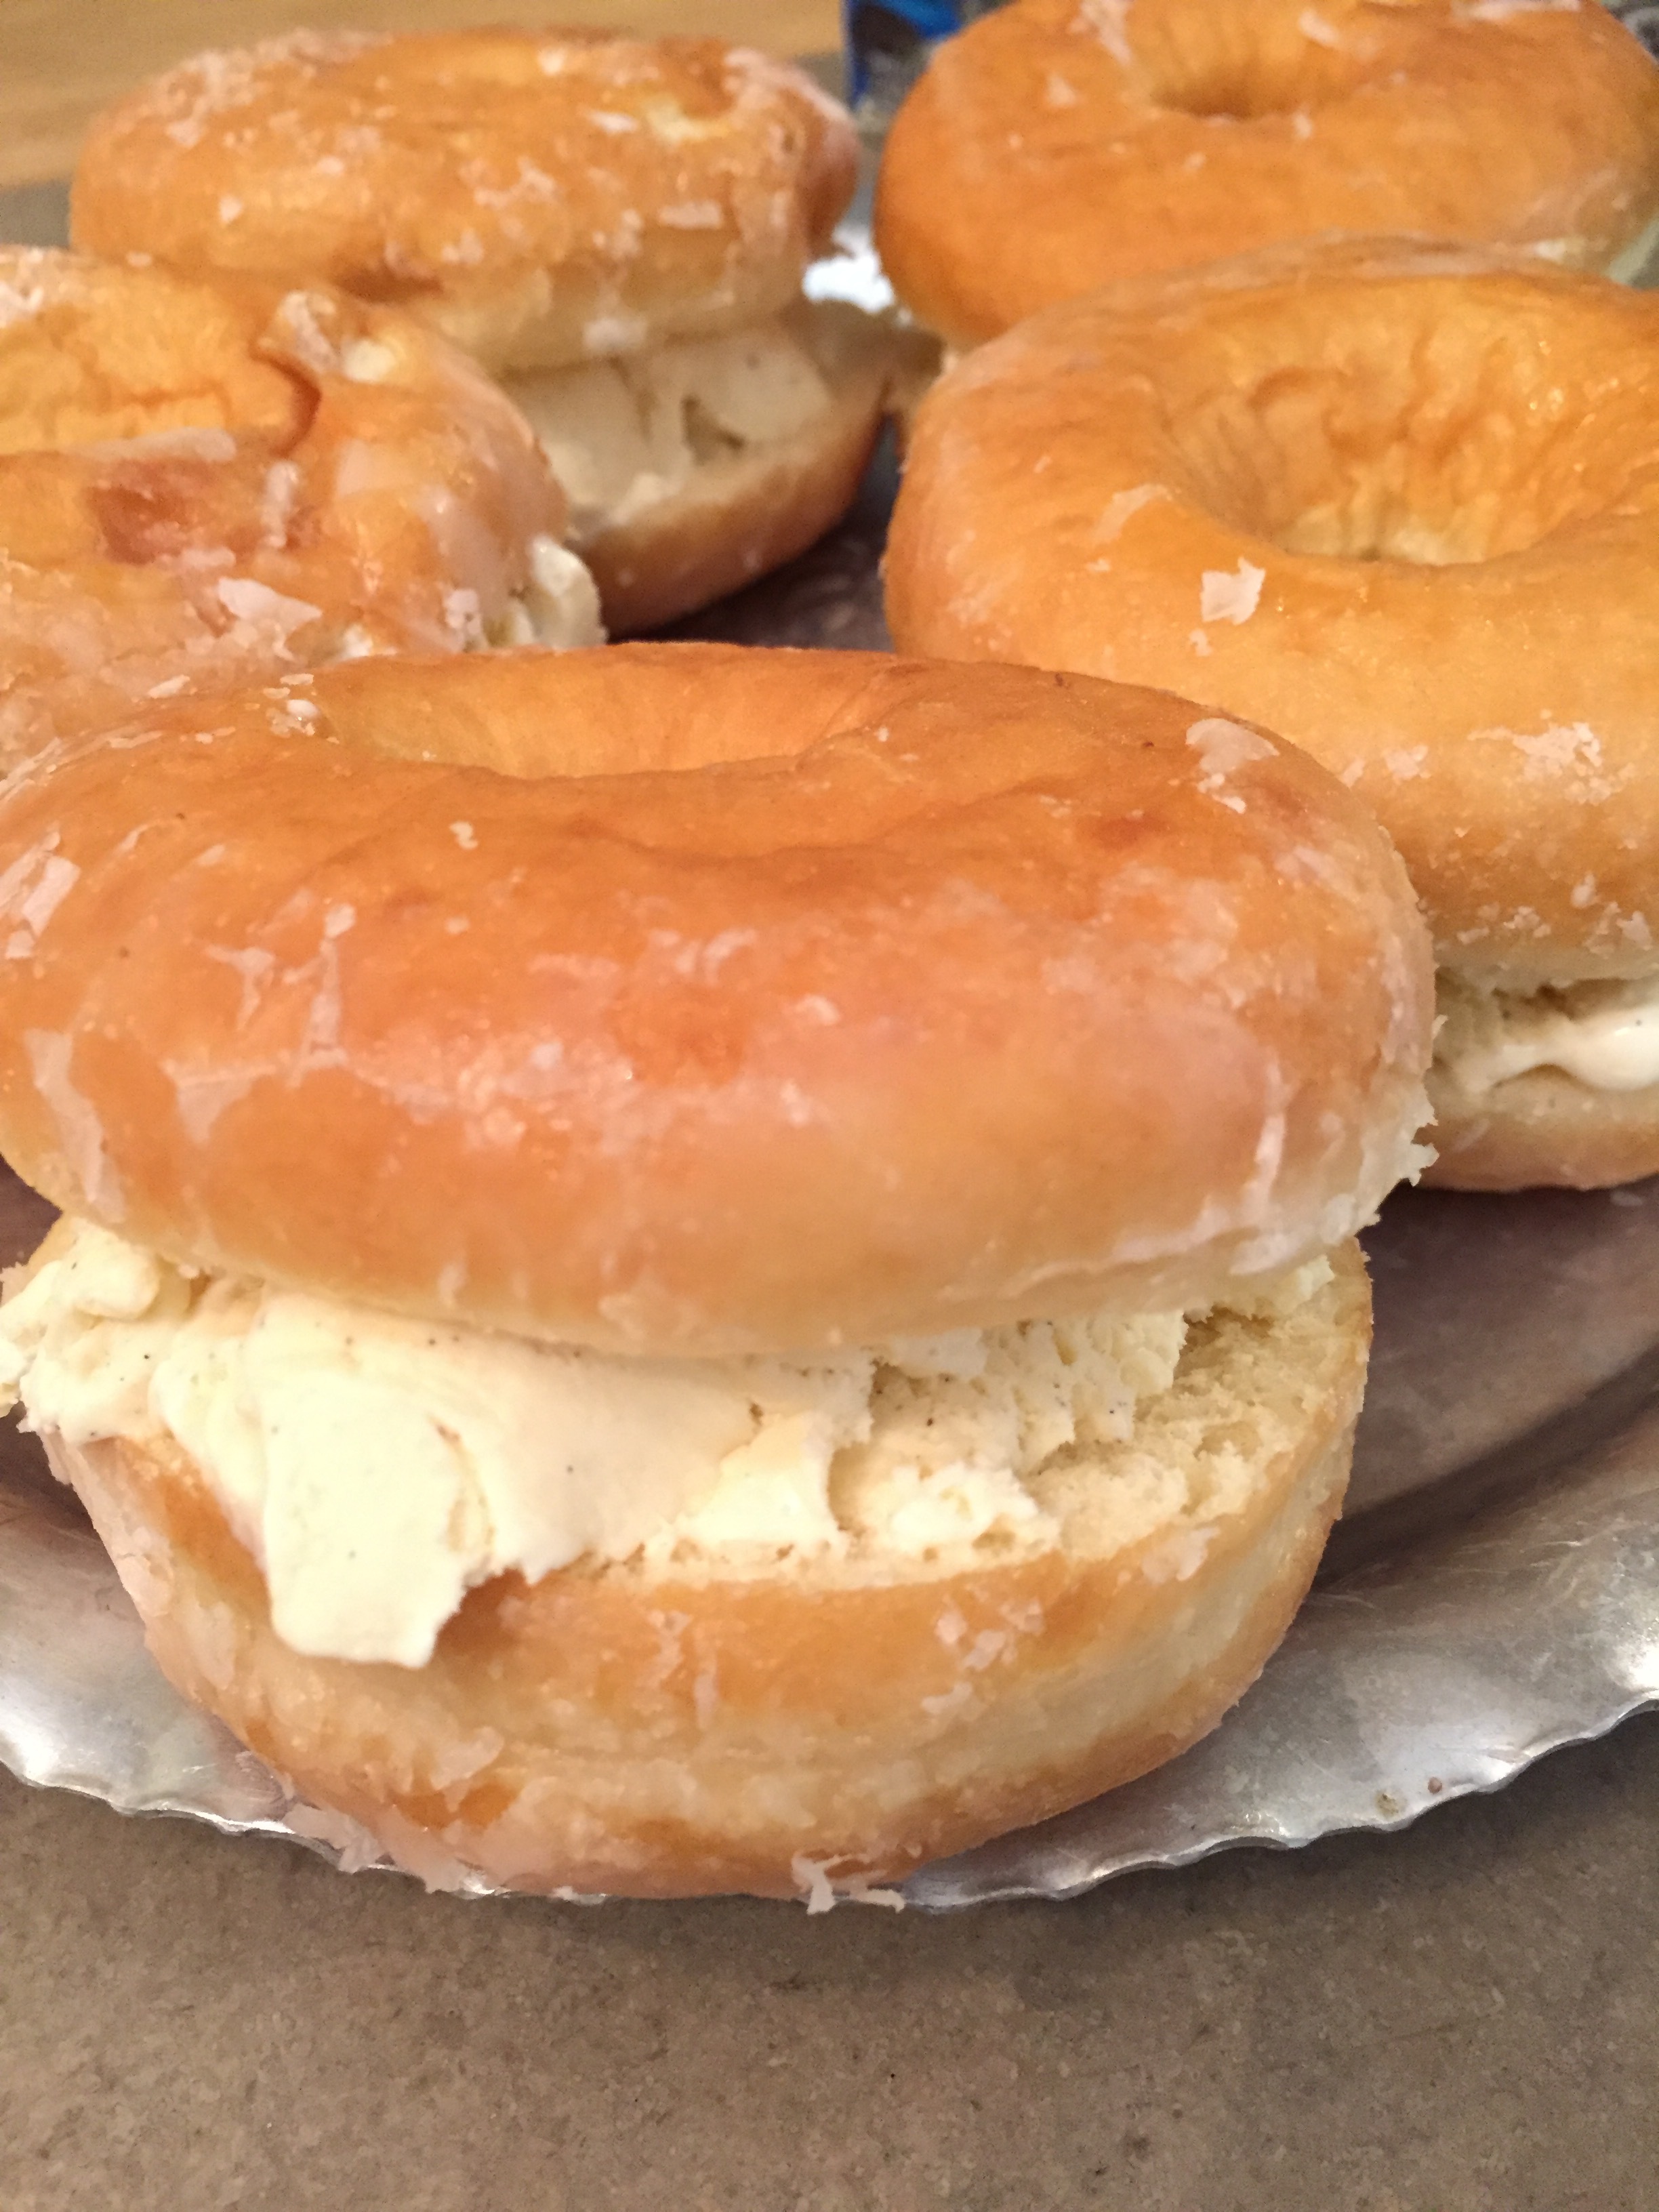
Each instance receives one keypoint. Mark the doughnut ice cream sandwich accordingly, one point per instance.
(615, 227)
(686, 1270)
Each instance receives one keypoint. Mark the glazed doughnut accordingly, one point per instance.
(824, 1323)
(204, 481)
(1058, 145)
(617, 228)
(1401, 503)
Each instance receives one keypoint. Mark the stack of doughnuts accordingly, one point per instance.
(1059, 145)
(615, 227)
(826, 1324)
(205, 480)
(1401, 503)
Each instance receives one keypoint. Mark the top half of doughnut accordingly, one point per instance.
(691, 1001)
(541, 197)
(1062, 144)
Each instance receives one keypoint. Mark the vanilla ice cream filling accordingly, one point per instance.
(1604, 1035)
(558, 607)
(1628, 263)
(377, 1467)
(625, 435)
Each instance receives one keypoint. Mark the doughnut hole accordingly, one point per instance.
(1224, 65)
(1402, 437)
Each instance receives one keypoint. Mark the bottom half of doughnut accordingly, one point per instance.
(695, 468)
(668, 1733)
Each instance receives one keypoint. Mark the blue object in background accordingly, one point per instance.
(888, 43)
(1642, 17)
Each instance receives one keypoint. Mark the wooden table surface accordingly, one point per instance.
(61, 60)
